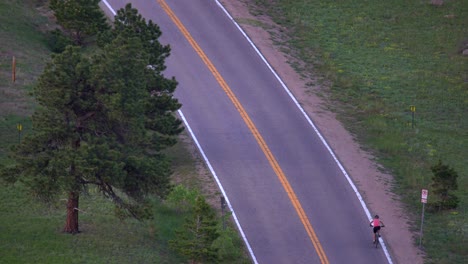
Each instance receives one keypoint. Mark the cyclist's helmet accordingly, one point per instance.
(376, 216)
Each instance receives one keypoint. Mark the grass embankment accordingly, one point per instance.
(19, 38)
(30, 232)
(382, 57)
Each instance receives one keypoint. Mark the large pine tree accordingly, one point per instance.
(102, 120)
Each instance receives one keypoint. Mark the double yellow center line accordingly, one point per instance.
(279, 172)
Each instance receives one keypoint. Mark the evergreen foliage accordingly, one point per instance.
(129, 24)
(58, 41)
(80, 18)
(444, 181)
(228, 245)
(195, 239)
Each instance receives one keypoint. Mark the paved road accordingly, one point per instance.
(269, 218)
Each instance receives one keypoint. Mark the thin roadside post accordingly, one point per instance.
(13, 69)
(423, 201)
(223, 206)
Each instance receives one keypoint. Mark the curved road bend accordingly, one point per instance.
(335, 228)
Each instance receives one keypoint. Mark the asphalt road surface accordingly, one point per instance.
(291, 199)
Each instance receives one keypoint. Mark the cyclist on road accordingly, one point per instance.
(376, 223)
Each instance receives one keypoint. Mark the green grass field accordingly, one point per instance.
(383, 57)
(31, 232)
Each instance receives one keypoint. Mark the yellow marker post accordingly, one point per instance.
(412, 109)
(20, 128)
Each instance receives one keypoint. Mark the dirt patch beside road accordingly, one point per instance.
(373, 185)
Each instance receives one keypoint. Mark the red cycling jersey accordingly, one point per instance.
(376, 222)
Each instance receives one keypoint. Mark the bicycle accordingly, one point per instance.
(376, 225)
(377, 237)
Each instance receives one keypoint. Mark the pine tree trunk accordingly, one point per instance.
(71, 225)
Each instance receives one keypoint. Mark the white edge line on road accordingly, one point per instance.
(109, 7)
(220, 186)
(252, 255)
(361, 200)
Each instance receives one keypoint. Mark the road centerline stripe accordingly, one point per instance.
(269, 155)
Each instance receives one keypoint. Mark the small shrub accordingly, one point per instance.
(195, 239)
(443, 182)
(181, 199)
(228, 245)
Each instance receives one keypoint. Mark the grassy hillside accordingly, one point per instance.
(383, 57)
(20, 38)
(31, 232)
